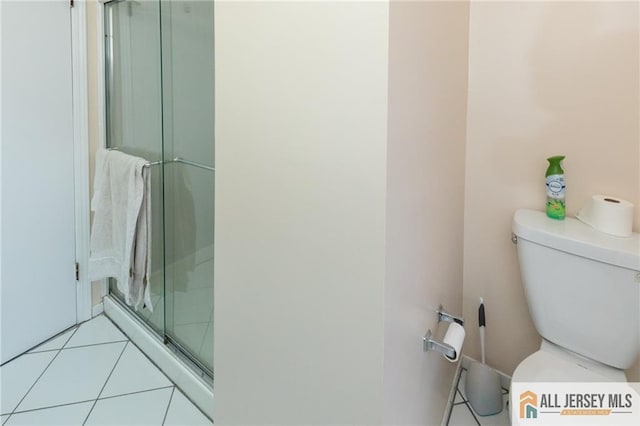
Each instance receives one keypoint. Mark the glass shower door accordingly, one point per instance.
(160, 106)
(188, 105)
(134, 118)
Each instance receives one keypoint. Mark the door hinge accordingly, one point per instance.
(77, 271)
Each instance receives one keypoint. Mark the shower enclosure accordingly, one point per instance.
(160, 106)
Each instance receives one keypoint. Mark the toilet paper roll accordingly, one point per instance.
(454, 337)
(611, 215)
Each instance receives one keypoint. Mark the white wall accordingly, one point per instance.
(428, 50)
(301, 131)
(545, 78)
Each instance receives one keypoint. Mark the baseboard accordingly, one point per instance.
(97, 310)
(505, 379)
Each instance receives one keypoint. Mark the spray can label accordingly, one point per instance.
(555, 186)
(555, 196)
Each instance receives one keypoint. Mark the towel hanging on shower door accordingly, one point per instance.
(121, 230)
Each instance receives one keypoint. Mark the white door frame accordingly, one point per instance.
(81, 156)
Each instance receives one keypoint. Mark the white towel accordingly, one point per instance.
(139, 283)
(120, 237)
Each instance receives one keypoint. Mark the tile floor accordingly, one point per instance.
(91, 375)
(462, 413)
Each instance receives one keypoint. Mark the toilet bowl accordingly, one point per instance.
(551, 363)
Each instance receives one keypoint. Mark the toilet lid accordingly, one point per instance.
(546, 366)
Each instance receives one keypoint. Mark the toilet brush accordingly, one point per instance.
(482, 386)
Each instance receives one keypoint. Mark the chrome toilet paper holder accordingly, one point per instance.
(444, 316)
(430, 343)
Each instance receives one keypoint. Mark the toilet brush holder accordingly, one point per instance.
(483, 390)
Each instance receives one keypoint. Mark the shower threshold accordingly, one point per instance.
(194, 381)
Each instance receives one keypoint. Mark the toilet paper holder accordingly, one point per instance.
(430, 343)
(444, 316)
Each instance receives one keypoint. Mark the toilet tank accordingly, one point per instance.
(582, 286)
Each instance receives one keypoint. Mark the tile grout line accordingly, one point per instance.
(96, 344)
(72, 334)
(91, 400)
(76, 347)
(164, 419)
(105, 384)
(41, 374)
(136, 392)
(40, 352)
(33, 349)
(52, 406)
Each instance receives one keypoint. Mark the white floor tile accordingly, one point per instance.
(133, 373)
(458, 397)
(145, 408)
(3, 418)
(75, 375)
(500, 419)
(66, 415)
(182, 412)
(98, 330)
(461, 416)
(19, 375)
(55, 343)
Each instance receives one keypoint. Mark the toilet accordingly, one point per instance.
(583, 291)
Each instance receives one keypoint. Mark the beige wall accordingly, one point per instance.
(545, 78)
(301, 131)
(428, 54)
